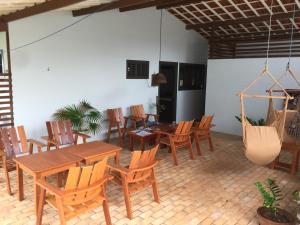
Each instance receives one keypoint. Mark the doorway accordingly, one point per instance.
(167, 93)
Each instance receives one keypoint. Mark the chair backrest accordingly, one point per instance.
(140, 160)
(61, 131)
(115, 116)
(14, 141)
(206, 121)
(182, 132)
(138, 111)
(83, 183)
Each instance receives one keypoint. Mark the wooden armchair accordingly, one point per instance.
(117, 123)
(84, 190)
(137, 176)
(14, 142)
(138, 115)
(181, 138)
(202, 132)
(60, 133)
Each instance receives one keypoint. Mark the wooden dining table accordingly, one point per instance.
(41, 165)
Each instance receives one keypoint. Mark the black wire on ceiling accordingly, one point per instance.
(51, 34)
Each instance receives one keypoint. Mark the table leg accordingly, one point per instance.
(117, 158)
(36, 193)
(131, 143)
(20, 183)
(143, 144)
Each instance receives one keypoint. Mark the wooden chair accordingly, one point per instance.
(202, 132)
(137, 176)
(84, 190)
(138, 115)
(294, 150)
(14, 142)
(60, 133)
(117, 123)
(181, 138)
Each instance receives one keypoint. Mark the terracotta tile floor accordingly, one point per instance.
(217, 188)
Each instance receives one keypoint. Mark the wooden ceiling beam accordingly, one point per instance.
(259, 34)
(139, 6)
(174, 3)
(278, 16)
(110, 6)
(37, 9)
(256, 39)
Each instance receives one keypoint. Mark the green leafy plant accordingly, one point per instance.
(271, 197)
(296, 196)
(84, 117)
(260, 122)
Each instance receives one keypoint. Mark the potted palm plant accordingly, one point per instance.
(270, 213)
(296, 197)
(84, 117)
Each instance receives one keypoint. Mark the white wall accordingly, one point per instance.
(88, 61)
(227, 77)
(3, 47)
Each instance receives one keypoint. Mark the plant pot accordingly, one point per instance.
(265, 217)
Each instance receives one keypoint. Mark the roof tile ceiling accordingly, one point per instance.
(227, 10)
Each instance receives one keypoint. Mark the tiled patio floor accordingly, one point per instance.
(217, 188)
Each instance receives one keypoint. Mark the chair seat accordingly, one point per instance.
(133, 187)
(166, 141)
(74, 210)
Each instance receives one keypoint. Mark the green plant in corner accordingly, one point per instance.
(272, 197)
(84, 117)
(260, 122)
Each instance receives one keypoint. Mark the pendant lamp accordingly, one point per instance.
(159, 78)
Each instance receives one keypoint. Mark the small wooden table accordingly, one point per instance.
(52, 162)
(133, 135)
(94, 151)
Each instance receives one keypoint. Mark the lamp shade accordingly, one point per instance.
(158, 78)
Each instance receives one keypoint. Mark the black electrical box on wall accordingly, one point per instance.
(137, 69)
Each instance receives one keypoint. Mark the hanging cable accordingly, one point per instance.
(51, 34)
(160, 32)
(292, 37)
(269, 35)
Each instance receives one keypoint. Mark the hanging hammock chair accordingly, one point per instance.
(263, 143)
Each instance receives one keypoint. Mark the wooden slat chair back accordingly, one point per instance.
(182, 132)
(60, 133)
(117, 122)
(14, 142)
(138, 111)
(181, 138)
(83, 191)
(206, 122)
(202, 132)
(138, 175)
(115, 116)
(138, 115)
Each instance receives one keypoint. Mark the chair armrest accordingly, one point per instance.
(144, 168)
(118, 168)
(37, 143)
(50, 188)
(81, 134)
(182, 135)
(51, 141)
(162, 132)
